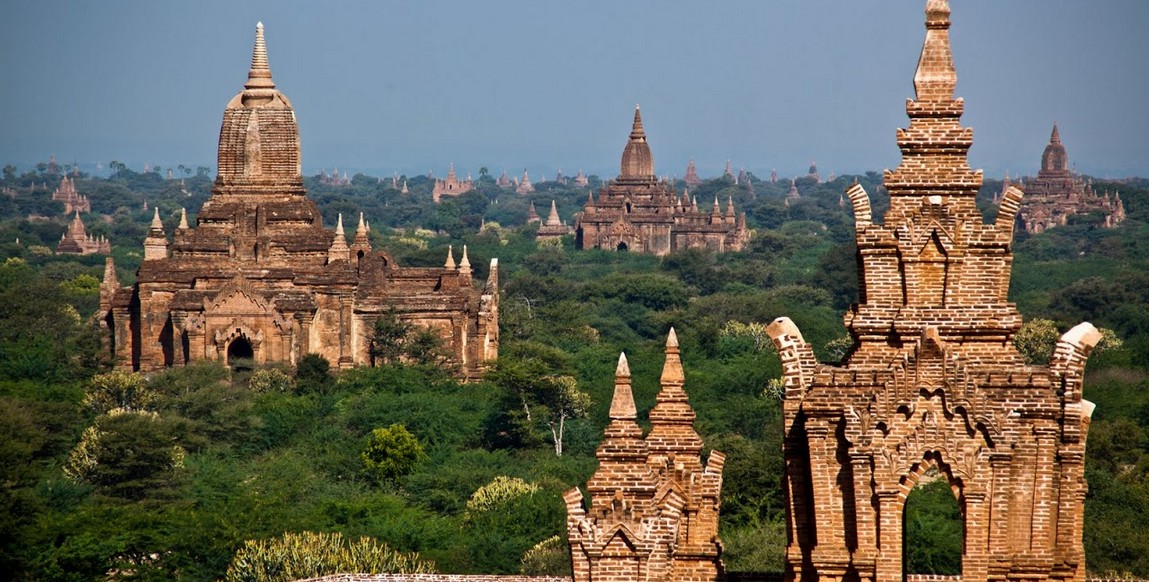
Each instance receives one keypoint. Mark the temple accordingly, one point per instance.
(638, 212)
(451, 186)
(259, 277)
(77, 241)
(1057, 193)
(554, 228)
(653, 508)
(524, 186)
(72, 200)
(934, 388)
(692, 179)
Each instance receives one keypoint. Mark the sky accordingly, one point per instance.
(386, 86)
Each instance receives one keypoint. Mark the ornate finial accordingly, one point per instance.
(450, 264)
(636, 130)
(259, 77)
(156, 222)
(672, 375)
(671, 340)
(362, 228)
(936, 77)
(465, 263)
(339, 225)
(623, 368)
(183, 219)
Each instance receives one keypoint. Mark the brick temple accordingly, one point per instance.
(1057, 193)
(934, 387)
(451, 186)
(653, 509)
(72, 200)
(637, 212)
(259, 277)
(77, 241)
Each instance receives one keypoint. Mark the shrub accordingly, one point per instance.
(391, 452)
(296, 556)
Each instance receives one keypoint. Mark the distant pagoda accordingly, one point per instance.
(1057, 193)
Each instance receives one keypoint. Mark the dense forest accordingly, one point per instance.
(204, 472)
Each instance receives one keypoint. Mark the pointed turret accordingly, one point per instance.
(183, 219)
(339, 250)
(622, 452)
(109, 285)
(553, 217)
(637, 161)
(532, 214)
(450, 264)
(156, 243)
(730, 214)
(465, 268)
(672, 419)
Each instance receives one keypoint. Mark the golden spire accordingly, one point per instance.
(259, 77)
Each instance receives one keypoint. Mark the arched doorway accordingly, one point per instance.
(240, 354)
(621, 247)
(932, 528)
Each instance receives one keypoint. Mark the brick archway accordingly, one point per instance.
(934, 378)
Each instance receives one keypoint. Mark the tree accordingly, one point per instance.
(313, 374)
(391, 452)
(9, 172)
(563, 399)
(131, 455)
(388, 339)
(121, 390)
(1038, 337)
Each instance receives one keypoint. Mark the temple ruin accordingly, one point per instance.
(259, 278)
(1057, 193)
(933, 385)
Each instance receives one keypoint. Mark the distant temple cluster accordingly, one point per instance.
(1057, 193)
(334, 179)
(451, 186)
(259, 278)
(640, 213)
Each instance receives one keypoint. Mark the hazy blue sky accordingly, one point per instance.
(410, 86)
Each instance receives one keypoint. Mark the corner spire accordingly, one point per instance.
(183, 219)
(259, 76)
(450, 264)
(157, 224)
(622, 403)
(936, 78)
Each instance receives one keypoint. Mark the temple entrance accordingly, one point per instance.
(240, 354)
(621, 247)
(932, 529)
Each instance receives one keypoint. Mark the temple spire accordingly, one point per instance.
(157, 224)
(636, 130)
(553, 218)
(450, 264)
(936, 78)
(1056, 136)
(183, 219)
(622, 403)
(259, 76)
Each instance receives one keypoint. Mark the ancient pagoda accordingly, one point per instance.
(77, 241)
(653, 508)
(640, 213)
(933, 388)
(1057, 193)
(554, 228)
(72, 200)
(259, 278)
(451, 186)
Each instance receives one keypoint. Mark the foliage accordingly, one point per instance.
(933, 530)
(498, 493)
(1038, 337)
(295, 556)
(270, 380)
(391, 452)
(128, 454)
(122, 390)
(550, 557)
(313, 374)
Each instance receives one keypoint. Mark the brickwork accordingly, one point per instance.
(637, 212)
(259, 276)
(1057, 193)
(434, 578)
(653, 509)
(73, 201)
(934, 381)
(554, 227)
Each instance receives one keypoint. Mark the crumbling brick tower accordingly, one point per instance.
(653, 512)
(934, 381)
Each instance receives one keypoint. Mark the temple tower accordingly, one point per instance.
(934, 385)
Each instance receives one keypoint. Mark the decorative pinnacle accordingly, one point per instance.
(183, 219)
(622, 403)
(1056, 136)
(465, 263)
(362, 228)
(259, 76)
(339, 225)
(636, 131)
(450, 264)
(157, 224)
(936, 78)
(623, 368)
(672, 375)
